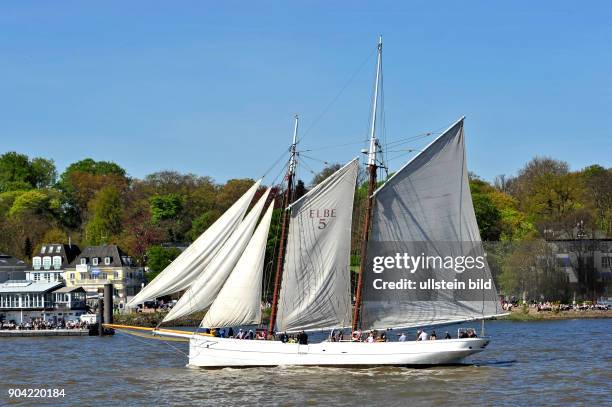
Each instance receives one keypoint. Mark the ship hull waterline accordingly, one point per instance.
(214, 352)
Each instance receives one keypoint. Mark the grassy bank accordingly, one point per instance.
(533, 315)
(152, 319)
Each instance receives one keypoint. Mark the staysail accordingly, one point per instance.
(210, 281)
(426, 209)
(239, 301)
(315, 292)
(187, 266)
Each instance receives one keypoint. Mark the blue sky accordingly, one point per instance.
(212, 87)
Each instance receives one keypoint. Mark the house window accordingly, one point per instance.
(72, 276)
(43, 249)
(606, 262)
(57, 262)
(58, 249)
(94, 261)
(37, 263)
(47, 276)
(107, 261)
(83, 260)
(36, 276)
(46, 262)
(116, 275)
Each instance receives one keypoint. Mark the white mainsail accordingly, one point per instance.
(239, 301)
(205, 288)
(187, 266)
(315, 292)
(427, 203)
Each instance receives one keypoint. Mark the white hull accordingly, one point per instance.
(211, 352)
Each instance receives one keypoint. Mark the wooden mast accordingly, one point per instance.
(371, 187)
(284, 227)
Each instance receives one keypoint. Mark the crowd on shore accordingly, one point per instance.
(554, 306)
(37, 324)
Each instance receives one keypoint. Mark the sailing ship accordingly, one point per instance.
(427, 200)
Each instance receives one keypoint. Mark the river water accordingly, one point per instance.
(528, 363)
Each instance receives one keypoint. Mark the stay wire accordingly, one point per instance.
(335, 99)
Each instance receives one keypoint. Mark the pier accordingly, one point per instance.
(42, 332)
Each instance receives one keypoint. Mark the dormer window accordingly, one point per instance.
(43, 250)
(57, 262)
(107, 261)
(58, 249)
(83, 260)
(94, 261)
(46, 262)
(37, 262)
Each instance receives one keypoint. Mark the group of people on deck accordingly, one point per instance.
(301, 338)
(336, 335)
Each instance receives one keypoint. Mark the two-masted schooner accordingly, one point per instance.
(427, 200)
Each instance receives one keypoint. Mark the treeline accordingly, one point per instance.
(96, 202)
(545, 199)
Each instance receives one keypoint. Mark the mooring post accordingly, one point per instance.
(100, 316)
(108, 303)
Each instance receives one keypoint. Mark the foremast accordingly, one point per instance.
(371, 170)
(288, 197)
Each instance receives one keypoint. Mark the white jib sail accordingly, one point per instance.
(187, 266)
(205, 288)
(239, 301)
(315, 292)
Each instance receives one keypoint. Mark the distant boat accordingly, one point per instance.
(427, 201)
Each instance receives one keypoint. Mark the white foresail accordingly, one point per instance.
(210, 281)
(185, 268)
(427, 206)
(239, 301)
(315, 292)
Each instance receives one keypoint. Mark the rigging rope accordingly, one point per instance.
(335, 99)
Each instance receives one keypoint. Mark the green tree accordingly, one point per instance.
(202, 222)
(14, 172)
(488, 217)
(81, 181)
(18, 172)
(325, 173)
(598, 182)
(158, 258)
(165, 207)
(231, 192)
(105, 221)
(42, 173)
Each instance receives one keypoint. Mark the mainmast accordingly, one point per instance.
(284, 226)
(371, 169)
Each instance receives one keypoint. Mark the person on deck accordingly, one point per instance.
(447, 335)
(302, 338)
(402, 337)
(423, 336)
(433, 336)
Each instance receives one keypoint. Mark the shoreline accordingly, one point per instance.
(152, 319)
(533, 315)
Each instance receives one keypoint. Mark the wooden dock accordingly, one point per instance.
(43, 332)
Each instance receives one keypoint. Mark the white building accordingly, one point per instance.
(22, 300)
(49, 264)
